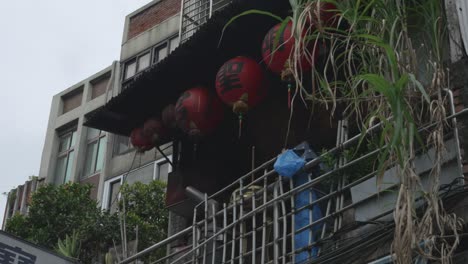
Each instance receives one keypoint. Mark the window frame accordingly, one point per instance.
(158, 163)
(153, 57)
(107, 191)
(108, 183)
(72, 133)
(95, 140)
(116, 153)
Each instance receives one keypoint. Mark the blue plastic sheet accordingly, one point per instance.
(288, 164)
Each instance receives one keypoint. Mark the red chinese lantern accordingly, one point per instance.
(276, 57)
(198, 112)
(168, 116)
(241, 84)
(140, 141)
(154, 129)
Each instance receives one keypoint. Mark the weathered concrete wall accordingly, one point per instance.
(76, 116)
(151, 37)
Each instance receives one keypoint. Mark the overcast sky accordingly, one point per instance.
(45, 47)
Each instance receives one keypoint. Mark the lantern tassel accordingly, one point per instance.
(240, 125)
(289, 96)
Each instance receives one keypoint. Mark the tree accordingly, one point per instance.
(56, 211)
(68, 210)
(145, 209)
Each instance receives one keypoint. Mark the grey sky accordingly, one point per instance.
(45, 47)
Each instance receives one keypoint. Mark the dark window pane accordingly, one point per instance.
(90, 158)
(64, 143)
(73, 139)
(101, 153)
(162, 53)
(144, 61)
(163, 171)
(121, 145)
(60, 169)
(68, 171)
(113, 196)
(130, 69)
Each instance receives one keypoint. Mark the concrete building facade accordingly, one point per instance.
(150, 34)
(71, 151)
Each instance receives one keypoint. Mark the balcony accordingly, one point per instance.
(195, 13)
(322, 215)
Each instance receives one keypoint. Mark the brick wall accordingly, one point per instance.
(459, 85)
(152, 16)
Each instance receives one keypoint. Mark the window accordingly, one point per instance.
(162, 169)
(130, 69)
(148, 57)
(173, 44)
(158, 170)
(66, 154)
(99, 86)
(112, 194)
(95, 151)
(144, 61)
(72, 100)
(121, 145)
(160, 53)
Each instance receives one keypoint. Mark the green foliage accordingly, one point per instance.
(16, 226)
(65, 218)
(70, 246)
(145, 208)
(58, 211)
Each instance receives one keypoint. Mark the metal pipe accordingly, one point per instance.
(156, 246)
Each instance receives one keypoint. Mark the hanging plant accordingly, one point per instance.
(386, 65)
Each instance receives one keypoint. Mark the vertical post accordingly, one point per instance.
(234, 227)
(225, 232)
(254, 228)
(293, 227)
(181, 20)
(213, 251)
(211, 9)
(242, 223)
(276, 248)
(195, 237)
(285, 220)
(206, 228)
(264, 220)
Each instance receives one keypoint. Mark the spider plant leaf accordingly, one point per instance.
(245, 13)
(278, 35)
(420, 87)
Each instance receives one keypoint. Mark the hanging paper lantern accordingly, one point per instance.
(154, 129)
(275, 57)
(198, 112)
(140, 141)
(168, 116)
(241, 84)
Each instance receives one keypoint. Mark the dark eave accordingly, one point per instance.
(195, 62)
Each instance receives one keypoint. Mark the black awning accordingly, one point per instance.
(195, 62)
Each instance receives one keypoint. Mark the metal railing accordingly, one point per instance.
(195, 13)
(266, 218)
